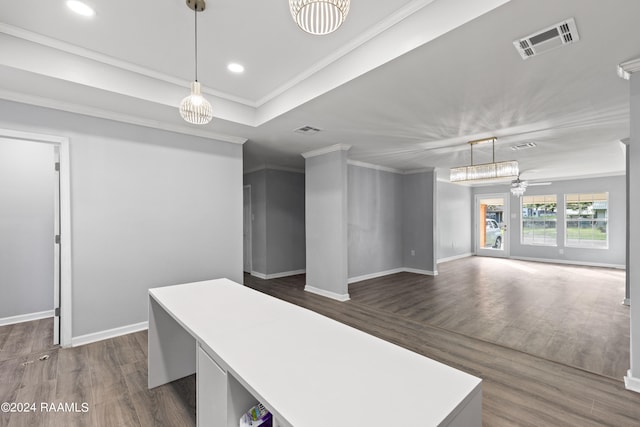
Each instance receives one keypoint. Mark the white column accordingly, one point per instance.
(629, 70)
(326, 222)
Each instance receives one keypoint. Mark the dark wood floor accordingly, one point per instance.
(568, 314)
(519, 389)
(110, 376)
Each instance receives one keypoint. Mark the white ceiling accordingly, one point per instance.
(405, 83)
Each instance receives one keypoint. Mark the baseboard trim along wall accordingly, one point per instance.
(374, 275)
(328, 294)
(632, 383)
(110, 333)
(417, 271)
(26, 317)
(570, 262)
(455, 257)
(277, 275)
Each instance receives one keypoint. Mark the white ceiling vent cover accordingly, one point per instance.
(557, 35)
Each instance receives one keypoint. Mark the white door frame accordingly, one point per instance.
(504, 253)
(65, 224)
(250, 232)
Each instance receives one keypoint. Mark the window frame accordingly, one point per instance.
(522, 218)
(578, 246)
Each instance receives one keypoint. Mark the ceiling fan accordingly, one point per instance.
(518, 186)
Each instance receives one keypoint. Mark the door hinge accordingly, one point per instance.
(57, 239)
(57, 166)
(56, 312)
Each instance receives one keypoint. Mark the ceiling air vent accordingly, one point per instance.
(307, 130)
(562, 33)
(523, 146)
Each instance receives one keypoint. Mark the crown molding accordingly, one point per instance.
(627, 68)
(109, 60)
(326, 150)
(421, 170)
(371, 33)
(372, 166)
(273, 167)
(118, 117)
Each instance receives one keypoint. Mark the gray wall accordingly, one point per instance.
(27, 182)
(285, 222)
(258, 182)
(148, 208)
(326, 222)
(614, 255)
(419, 218)
(454, 220)
(277, 204)
(374, 220)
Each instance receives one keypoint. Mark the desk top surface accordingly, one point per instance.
(311, 369)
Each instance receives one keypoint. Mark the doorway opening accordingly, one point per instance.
(246, 229)
(59, 235)
(491, 225)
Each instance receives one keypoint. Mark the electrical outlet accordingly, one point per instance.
(413, 252)
(561, 251)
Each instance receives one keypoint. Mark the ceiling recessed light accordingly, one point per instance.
(80, 8)
(235, 68)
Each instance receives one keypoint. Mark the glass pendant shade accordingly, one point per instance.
(194, 108)
(486, 171)
(319, 17)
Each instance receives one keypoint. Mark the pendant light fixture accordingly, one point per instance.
(319, 17)
(486, 171)
(194, 108)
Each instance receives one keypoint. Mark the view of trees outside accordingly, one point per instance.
(586, 217)
(539, 217)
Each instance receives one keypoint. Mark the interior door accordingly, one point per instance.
(56, 249)
(246, 228)
(492, 225)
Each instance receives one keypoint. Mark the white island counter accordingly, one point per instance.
(307, 369)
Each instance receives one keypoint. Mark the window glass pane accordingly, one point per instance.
(539, 214)
(586, 220)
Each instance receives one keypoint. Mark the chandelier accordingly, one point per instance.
(518, 187)
(319, 17)
(194, 108)
(485, 171)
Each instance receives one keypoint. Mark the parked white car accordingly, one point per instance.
(493, 235)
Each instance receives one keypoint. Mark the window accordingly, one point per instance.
(586, 220)
(539, 220)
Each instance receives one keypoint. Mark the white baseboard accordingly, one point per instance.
(374, 275)
(328, 294)
(110, 333)
(258, 275)
(570, 262)
(632, 383)
(455, 257)
(626, 301)
(417, 271)
(277, 275)
(26, 317)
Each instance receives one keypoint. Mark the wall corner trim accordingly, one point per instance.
(109, 333)
(625, 69)
(326, 150)
(632, 383)
(25, 317)
(328, 294)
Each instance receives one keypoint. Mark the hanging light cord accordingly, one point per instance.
(195, 11)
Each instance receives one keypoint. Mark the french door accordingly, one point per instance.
(492, 225)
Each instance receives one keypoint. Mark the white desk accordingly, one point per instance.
(307, 369)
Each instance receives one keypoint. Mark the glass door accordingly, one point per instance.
(492, 220)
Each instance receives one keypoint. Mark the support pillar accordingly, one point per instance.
(326, 222)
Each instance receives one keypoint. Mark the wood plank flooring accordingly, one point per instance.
(519, 389)
(568, 314)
